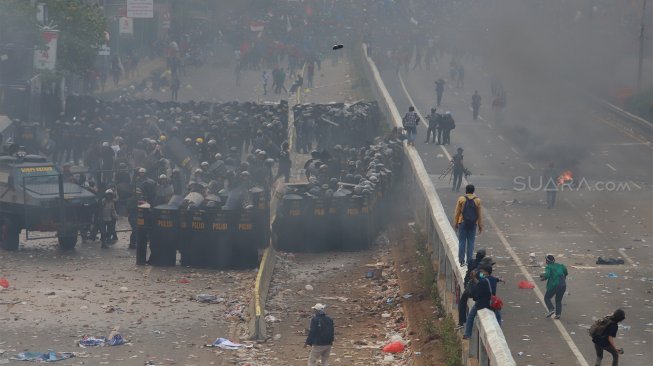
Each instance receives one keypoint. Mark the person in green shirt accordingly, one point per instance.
(555, 275)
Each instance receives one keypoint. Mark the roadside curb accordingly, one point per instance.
(257, 329)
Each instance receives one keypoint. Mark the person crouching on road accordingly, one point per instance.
(555, 275)
(320, 336)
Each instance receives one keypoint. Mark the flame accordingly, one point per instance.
(565, 177)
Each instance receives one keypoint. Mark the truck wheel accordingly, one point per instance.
(9, 234)
(67, 241)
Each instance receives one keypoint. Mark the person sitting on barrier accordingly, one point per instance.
(482, 290)
(466, 293)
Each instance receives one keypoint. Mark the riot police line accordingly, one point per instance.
(347, 197)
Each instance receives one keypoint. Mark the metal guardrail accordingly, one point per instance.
(487, 345)
(634, 120)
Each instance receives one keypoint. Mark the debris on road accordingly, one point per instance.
(609, 261)
(50, 356)
(526, 285)
(211, 299)
(227, 344)
(115, 340)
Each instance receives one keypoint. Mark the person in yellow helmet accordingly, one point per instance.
(199, 140)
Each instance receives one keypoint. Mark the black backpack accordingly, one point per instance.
(597, 329)
(470, 213)
(325, 331)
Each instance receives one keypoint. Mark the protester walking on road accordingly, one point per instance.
(550, 178)
(458, 170)
(555, 275)
(439, 89)
(410, 122)
(476, 104)
(320, 336)
(447, 123)
(174, 88)
(432, 127)
(603, 333)
(466, 218)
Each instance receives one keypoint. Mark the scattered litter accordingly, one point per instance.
(211, 299)
(272, 319)
(520, 353)
(227, 344)
(408, 296)
(612, 275)
(184, 280)
(526, 285)
(394, 347)
(609, 261)
(123, 289)
(87, 341)
(308, 288)
(50, 356)
(388, 358)
(4, 283)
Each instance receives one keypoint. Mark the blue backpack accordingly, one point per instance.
(470, 213)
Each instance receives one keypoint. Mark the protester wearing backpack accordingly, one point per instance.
(466, 218)
(320, 336)
(555, 275)
(483, 291)
(410, 122)
(603, 332)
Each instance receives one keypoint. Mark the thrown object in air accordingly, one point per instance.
(338, 46)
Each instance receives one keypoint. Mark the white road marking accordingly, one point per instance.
(531, 165)
(501, 138)
(514, 150)
(611, 167)
(630, 261)
(635, 184)
(561, 328)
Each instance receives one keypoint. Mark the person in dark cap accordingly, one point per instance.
(555, 275)
(482, 292)
(320, 336)
(432, 120)
(471, 271)
(605, 341)
(284, 162)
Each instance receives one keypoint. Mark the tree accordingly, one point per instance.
(18, 23)
(81, 30)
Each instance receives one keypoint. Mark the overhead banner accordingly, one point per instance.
(45, 59)
(140, 8)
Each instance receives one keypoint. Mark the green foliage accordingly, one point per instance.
(18, 22)
(81, 29)
(446, 331)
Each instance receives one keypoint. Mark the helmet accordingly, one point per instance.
(204, 163)
(108, 191)
(199, 140)
(460, 149)
(163, 176)
(142, 170)
(163, 138)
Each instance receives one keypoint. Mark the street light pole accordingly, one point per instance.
(641, 48)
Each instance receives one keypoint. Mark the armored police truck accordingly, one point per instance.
(35, 196)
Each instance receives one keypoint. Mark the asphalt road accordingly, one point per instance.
(609, 215)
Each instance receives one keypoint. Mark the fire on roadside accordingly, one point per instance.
(565, 177)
